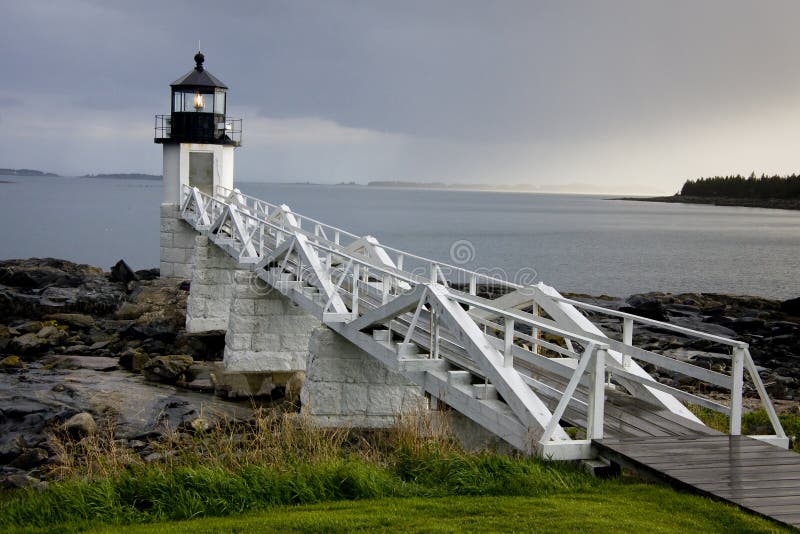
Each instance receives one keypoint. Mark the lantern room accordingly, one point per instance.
(197, 113)
(198, 137)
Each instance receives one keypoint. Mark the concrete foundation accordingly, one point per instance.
(346, 387)
(209, 303)
(177, 244)
(267, 333)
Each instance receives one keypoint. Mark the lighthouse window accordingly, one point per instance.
(219, 102)
(194, 101)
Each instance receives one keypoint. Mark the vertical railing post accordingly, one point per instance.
(627, 338)
(597, 396)
(473, 287)
(356, 275)
(737, 375)
(436, 338)
(536, 333)
(508, 344)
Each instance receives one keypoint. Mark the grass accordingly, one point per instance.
(283, 473)
(628, 508)
(753, 423)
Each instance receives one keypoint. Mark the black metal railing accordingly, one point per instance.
(198, 128)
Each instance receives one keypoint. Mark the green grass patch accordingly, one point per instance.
(628, 508)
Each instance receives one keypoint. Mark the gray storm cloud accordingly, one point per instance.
(624, 96)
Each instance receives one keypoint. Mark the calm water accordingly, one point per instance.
(576, 243)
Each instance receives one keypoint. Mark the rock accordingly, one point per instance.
(747, 324)
(645, 306)
(11, 362)
(37, 287)
(19, 481)
(791, 307)
(77, 349)
(80, 424)
(121, 272)
(77, 320)
(28, 344)
(129, 310)
(153, 457)
(293, 387)
(148, 274)
(30, 458)
(100, 345)
(167, 368)
(133, 360)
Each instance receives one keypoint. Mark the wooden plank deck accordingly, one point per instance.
(754, 475)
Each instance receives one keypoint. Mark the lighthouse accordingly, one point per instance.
(198, 140)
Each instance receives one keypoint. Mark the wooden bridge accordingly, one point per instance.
(527, 366)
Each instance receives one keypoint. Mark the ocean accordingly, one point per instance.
(577, 243)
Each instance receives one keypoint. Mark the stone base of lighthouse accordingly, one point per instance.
(177, 244)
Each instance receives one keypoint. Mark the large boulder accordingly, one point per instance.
(791, 307)
(36, 287)
(81, 425)
(167, 368)
(122, 273)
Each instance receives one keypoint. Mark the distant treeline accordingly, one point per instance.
(24, 172)
(774, 187)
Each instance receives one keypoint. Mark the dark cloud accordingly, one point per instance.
(549, 74)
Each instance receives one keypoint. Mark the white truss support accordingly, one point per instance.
(281, 251)
(520, 398)
(413, 324)
(568, 317)
(510, 301)
(762, 393)
(568, 393)
(323, 281)
(398, 306)
(248, 250)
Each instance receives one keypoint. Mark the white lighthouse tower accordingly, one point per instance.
(198, 140)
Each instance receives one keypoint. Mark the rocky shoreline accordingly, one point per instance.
(84, 351)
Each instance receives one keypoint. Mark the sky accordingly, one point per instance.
(613, 96)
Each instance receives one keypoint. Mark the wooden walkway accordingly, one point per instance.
(754, 475)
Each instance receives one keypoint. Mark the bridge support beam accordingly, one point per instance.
(347, 387)
(177, 244)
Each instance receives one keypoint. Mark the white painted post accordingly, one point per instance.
(385, 290)
(737, 374)
(473, 287)
(508, 345)
(536, 332)
(597, 396)
(627, 338)
(436, 338)
(400, 258)
(356, 274)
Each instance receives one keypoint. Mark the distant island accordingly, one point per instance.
(24, 172)
(778, 192)
(124, 176)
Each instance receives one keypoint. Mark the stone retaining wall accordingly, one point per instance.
(347, 387)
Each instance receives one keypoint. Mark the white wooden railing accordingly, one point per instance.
(353, 284)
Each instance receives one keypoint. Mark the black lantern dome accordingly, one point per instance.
(198, 111)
